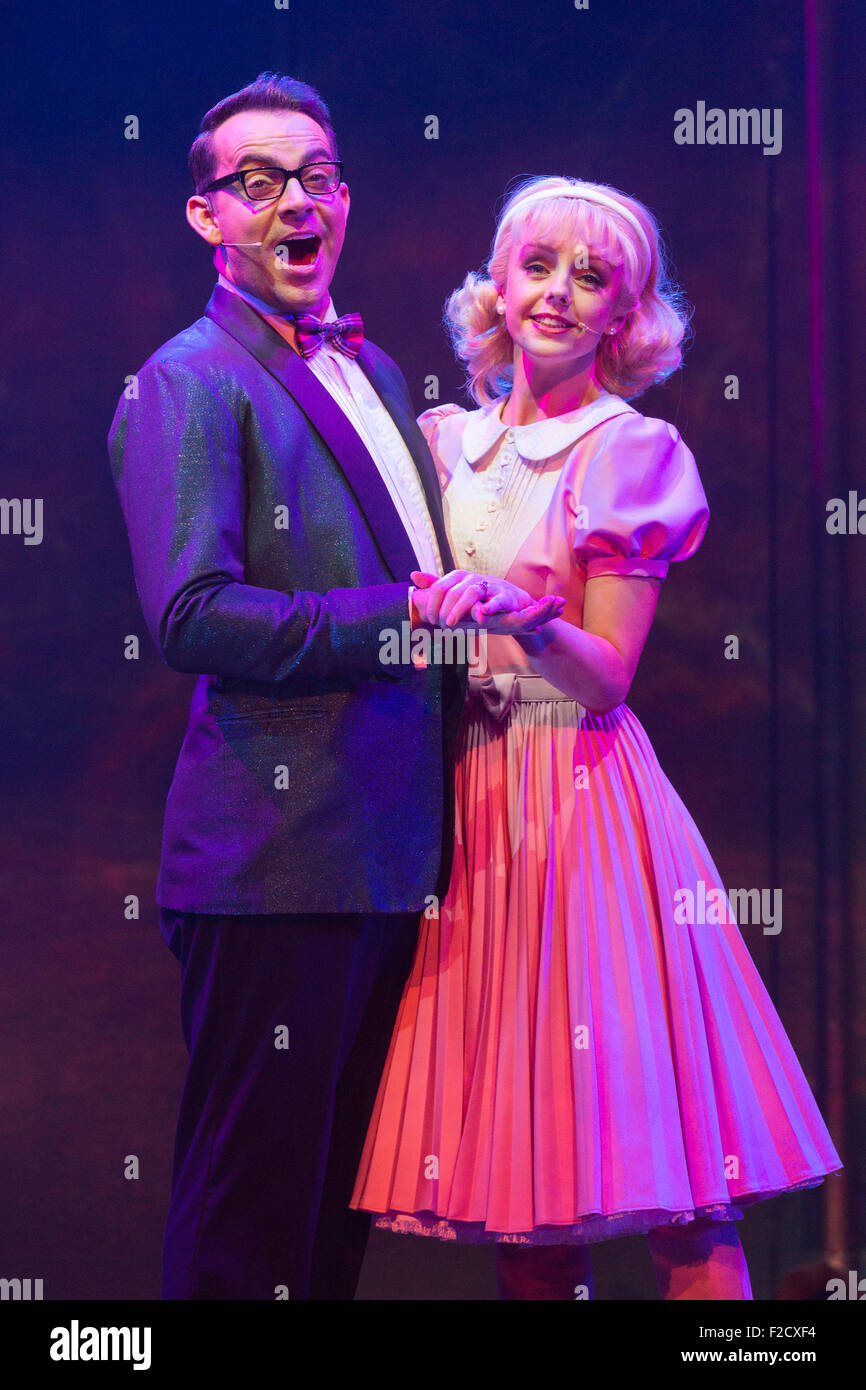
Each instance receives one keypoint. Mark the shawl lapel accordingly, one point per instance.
(246, 326)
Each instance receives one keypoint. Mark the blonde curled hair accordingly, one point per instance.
(649, 345)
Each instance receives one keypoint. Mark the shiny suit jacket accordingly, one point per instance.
(268, 558)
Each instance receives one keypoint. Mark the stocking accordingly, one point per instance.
(543, 1271)
(703, 1260)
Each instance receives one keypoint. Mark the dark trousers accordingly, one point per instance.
(269, 1137)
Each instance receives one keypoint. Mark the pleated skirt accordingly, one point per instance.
(573, 1057)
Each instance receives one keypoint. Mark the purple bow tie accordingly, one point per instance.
(346, 333)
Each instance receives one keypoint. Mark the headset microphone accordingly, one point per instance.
(241, 243)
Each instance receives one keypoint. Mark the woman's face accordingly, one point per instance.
(552, 288)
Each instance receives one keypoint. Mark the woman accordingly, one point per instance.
(577, 1054)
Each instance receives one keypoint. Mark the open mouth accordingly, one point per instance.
(301, 250)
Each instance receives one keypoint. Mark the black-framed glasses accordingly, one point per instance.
(260, 185)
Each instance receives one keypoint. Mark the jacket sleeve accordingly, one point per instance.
(176, 459)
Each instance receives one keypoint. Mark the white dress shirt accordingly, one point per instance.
(353, 392)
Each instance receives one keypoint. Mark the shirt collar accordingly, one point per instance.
(542, 438)
(272, 315)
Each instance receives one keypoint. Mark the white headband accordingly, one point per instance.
(591, 195)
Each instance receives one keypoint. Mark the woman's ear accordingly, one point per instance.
(618, 317)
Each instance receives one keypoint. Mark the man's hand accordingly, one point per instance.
(446, 601)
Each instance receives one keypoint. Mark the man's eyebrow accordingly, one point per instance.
(267, 161)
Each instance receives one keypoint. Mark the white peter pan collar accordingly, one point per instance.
(542, 438)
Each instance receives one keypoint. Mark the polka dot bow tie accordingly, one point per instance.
(346, 333)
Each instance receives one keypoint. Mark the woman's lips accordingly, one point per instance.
(552, 325)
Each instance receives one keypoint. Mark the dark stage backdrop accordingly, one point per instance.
(100, 267)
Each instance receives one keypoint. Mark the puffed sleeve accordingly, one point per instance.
(430, 420)
(444, 457)
(642, 504)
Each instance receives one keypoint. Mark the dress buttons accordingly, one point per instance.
(469, 548)
(482, 526)
(491, 506)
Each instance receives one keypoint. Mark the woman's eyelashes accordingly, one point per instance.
(533, 266)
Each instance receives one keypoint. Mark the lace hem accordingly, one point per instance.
(588, 1229)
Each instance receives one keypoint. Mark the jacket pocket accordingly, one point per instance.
(267, 719)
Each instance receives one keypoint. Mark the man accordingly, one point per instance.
(278, 494)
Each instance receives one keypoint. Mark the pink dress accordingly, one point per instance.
(577, 1055)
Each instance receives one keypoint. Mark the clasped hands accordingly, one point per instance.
(445, 601)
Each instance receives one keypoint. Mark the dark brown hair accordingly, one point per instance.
(271, 91)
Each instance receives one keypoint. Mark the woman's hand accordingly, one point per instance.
(447, 600)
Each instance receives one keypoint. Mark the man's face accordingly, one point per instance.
(287, 270)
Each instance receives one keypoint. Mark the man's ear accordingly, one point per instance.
(200, 216)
